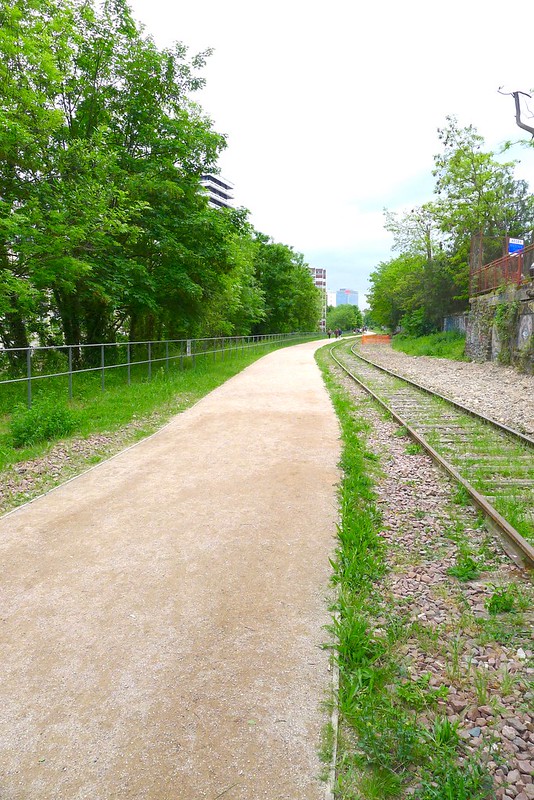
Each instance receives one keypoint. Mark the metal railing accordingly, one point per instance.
(26, 364)
(509, 269)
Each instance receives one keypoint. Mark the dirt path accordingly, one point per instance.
(161, 616)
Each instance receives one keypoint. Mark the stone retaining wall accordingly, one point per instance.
(500, 327)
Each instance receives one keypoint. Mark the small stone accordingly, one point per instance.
(529, 790)
(521, 655)
(508, 732)
(457, 704)
(513, 776)
(474, 732)
(517, 724)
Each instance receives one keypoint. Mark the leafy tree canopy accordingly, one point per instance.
(103, 228)
(346, 317)
(475, 193)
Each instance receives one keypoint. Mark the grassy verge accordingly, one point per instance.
(28, 433)
(441, 345)
(392, 741)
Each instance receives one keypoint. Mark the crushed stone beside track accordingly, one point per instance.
(418, 518)
(499, 392)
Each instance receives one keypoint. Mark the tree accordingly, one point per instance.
(476, 192)
(292, 301)
(415, 232)
(346, 317)
(103, 228)
(101, 154)
(396, 289)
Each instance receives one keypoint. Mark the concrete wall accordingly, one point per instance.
(455, 322)
(500, 327)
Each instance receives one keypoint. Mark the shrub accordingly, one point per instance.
(47, 419)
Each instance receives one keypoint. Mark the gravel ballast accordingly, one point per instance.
(483, 661)
(501, 393)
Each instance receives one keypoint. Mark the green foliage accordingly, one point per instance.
(46, 420)
(505, 321)
(346, 317)
(451, 782)
(444, 733)
(104, 228)
(449, 344)
(380, 784)
(414, 449)
(475, 193)
(417, 693)
(292, 301)
(503, 600)
(415, 324)
(466, 567)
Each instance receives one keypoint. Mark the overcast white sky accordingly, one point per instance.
(331, 108)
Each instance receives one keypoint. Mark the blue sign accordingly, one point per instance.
(515, 245)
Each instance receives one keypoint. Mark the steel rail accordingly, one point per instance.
(528, 440)
(521, 551)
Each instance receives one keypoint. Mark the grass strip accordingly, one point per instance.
(390, 742)
(27, 433)
(449, 344)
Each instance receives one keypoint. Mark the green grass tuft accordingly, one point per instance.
(46, 420)
(440, 345)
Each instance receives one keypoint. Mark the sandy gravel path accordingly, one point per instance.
(161, 616)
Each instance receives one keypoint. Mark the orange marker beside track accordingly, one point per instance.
(376, 338)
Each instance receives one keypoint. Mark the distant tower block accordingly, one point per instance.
(346, 297)
(319, 278)
(219, 191)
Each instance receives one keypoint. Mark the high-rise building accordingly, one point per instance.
(218, 190)
(346, 297)
(319, 278)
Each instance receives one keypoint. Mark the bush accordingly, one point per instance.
(450, 344)
(415, 323)
(46, 420)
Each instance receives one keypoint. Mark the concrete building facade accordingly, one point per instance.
(319, 278)
(346, 297)
(219, 191)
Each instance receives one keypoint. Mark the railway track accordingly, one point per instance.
(493, 463)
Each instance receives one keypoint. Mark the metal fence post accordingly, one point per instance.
(166, 356)
(70, 372)
(129, 362)
(103, 364)
(29, 374)
(150, 361)
(189, 352)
